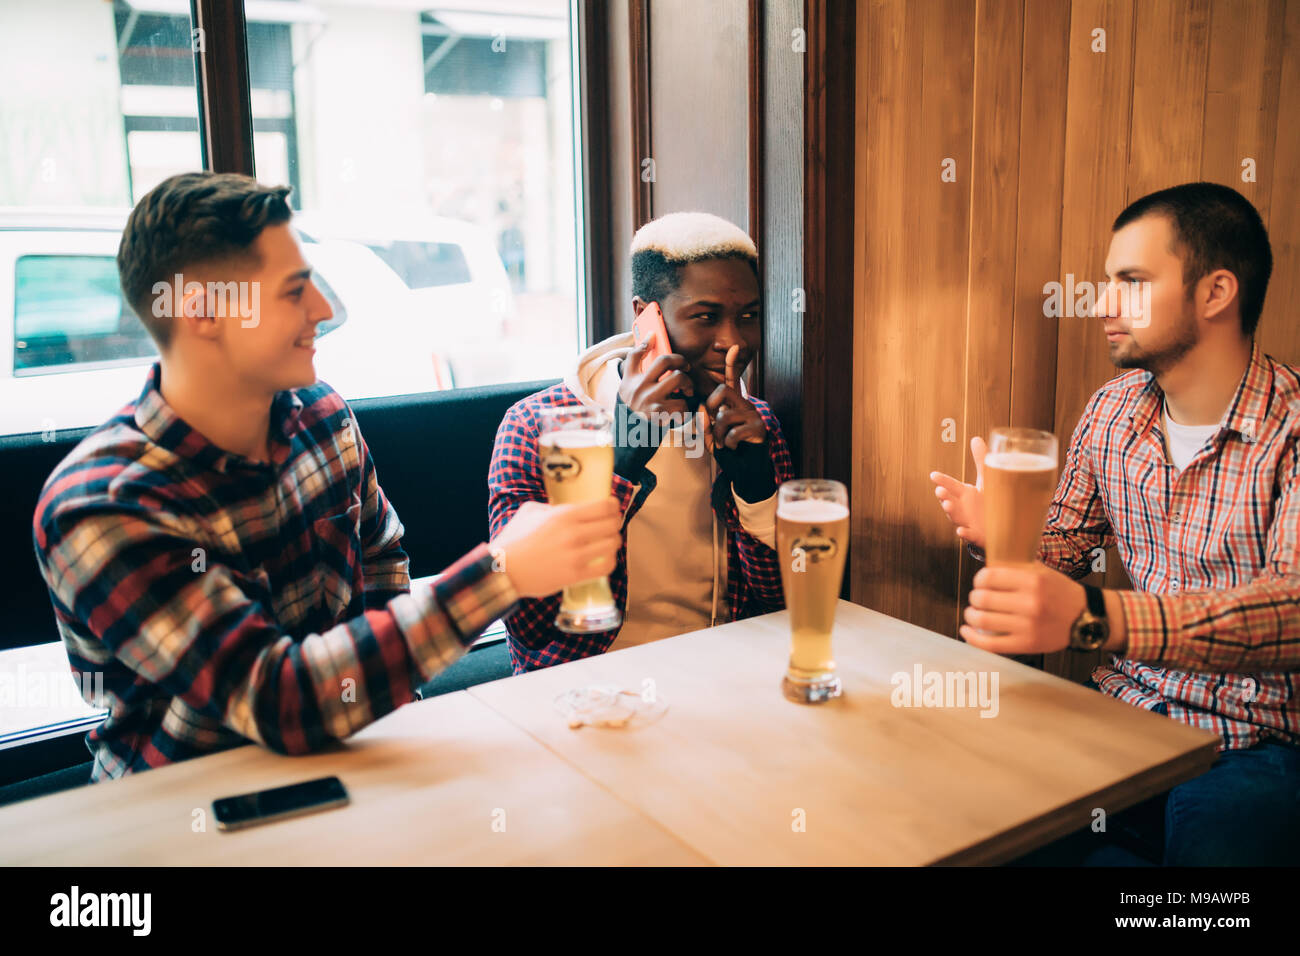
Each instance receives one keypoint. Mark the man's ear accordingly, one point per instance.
(638, 305)
(194, 311)
(1219, 290)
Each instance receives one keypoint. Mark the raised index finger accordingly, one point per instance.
(733, 354)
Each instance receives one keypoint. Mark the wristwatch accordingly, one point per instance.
(1091, 629)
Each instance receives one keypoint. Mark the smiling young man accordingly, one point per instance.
(697, 459)
(1190, 463)
(221, 549)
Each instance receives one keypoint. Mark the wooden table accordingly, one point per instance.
(428, 784)
(732, 773)
(731, 764)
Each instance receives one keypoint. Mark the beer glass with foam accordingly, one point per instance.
(1019, 481)
(576, 446)
(812, 540)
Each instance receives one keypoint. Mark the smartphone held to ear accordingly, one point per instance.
(649, 326)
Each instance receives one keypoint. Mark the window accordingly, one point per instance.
(441, 142)
(69, 310)
(431, 153)
(85, 133)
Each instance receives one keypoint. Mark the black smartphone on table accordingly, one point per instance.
(279, 803)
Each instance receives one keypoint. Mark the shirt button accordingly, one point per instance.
(1177, 516)
(1173, 585)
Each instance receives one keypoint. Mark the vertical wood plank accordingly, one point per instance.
(1043, 111)
(911, 298)
(1279, 332)
(991, 273)
(1241, 95)
(1171, 48)
(1096, 163)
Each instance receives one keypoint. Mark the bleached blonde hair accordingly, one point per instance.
(691, 236)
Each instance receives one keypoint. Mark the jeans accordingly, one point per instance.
(1243, 811)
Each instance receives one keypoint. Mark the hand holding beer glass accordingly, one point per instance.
(1004, 511)
(812, 540)
(576, 446)
(1019, 481)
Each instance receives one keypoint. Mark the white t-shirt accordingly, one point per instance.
(1184, 441)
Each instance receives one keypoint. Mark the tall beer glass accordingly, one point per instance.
(812, 541)
(576, 446)
(1019, 481)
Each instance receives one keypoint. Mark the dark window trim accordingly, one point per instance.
(826, 375)
(757, 105)
(225, 96)
(638, 20)
(596, 246)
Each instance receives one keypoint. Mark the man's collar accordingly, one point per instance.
(160, 423)
(1245, 413)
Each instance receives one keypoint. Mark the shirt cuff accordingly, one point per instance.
(758, 518)
(1148, 622)
(441, 621)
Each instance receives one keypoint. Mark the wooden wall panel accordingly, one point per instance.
(911, 303)
(1171, 46)
(1093, 191)
(1241, 95)
(991, 274)
(1279, 332)
(1038, 229)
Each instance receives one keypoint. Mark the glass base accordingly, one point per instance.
(811, 692)
(589, 620)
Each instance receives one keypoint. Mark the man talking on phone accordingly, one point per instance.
(221, 549)
(697, 459)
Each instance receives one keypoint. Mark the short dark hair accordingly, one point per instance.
(193, 219)
(1215, 227)
(654, 277)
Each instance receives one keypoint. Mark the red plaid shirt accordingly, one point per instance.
(515, 476)
(227, 600)
(1213, 552)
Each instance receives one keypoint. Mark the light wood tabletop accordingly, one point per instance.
(442, 781)
(730, 773)
(746, 777)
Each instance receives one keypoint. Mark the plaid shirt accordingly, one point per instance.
(229, 601)
(1213, 552)
(753, 572)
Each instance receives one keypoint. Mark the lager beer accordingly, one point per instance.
(576, 447)
(1019, 481)
(812, 540)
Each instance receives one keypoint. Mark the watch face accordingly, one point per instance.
(1091, 635)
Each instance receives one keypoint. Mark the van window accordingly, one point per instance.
(423, 265)
(68, 310)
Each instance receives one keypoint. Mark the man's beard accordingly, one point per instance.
(1161, 360)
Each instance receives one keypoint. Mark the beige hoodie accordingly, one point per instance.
(676, 547)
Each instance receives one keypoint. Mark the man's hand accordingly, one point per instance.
(963, 503)
(734, 418)
(1024, 608)
(644, 394)
(545, 547)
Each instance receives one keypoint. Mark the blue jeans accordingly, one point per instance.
(1243, 811)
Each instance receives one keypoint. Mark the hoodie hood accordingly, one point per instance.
(595, 377)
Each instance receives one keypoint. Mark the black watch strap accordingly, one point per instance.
(1096, 600)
